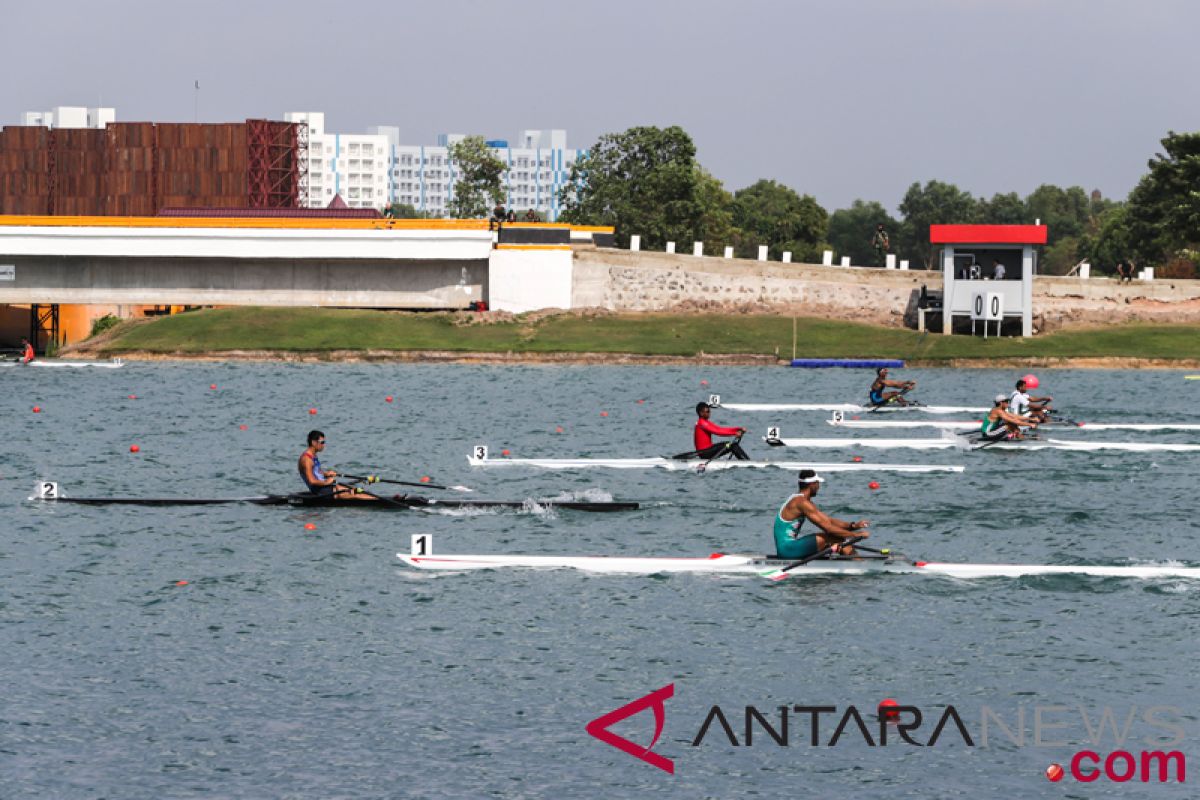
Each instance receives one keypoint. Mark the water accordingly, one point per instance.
(309, 663)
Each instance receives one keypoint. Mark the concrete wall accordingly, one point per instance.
(641, 281)
(526, 280)
(362, 283)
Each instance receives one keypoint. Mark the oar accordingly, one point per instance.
(724, 451)
(377, 479)
(782, 573)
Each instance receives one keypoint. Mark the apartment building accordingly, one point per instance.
(423, 176)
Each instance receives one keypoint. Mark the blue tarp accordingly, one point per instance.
(853, 363)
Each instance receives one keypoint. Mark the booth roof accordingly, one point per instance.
(987, 234)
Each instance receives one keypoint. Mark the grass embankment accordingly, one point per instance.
(311, 330)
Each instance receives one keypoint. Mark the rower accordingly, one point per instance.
(320, 480)
(704, 431)
(1033, 408)
(878, 394)
(27, 353)
(791, 544)
(1001, 423)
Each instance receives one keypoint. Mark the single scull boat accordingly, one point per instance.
(699, 466)
(722, 563)
(966, 425)
(306, 500)
(978, 444)
(113, 364)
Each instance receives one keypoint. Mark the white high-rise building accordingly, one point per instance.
(351, 166)
(423, 176)
(70, 117)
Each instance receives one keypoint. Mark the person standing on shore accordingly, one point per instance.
(881, 244)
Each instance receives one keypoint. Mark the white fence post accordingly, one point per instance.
(729, 251)
(697, 248)
(787, 256)
(635, 243)
(904, 263)
(670, 247)
(827, 258)
(762, 252)
(845, 261)
(891, 260)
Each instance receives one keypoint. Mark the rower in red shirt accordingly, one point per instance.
(706, 429)
(27, 353)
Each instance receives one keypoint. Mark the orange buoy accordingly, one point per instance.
(308, 526)
(506, 452)
(604, 413)
(873, 485)
(312, 412)
(424, 479)
(133, 448)
(888, 709)
(858, 459)
(181, 583)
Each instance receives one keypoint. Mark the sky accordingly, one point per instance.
(840, 99)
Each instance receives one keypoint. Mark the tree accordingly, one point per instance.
(851, 229)
(477, 184)
(1164, 208)
(404, 211)
(775, 215)
(1066, 212)
(936, 203)
(1111, 244)
(642, 181)
(1003, 209)
(714, 223)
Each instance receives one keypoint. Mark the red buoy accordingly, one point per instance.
(133, 448)
(37, 409)
(312, 412)
(873, 485)
(387, 399)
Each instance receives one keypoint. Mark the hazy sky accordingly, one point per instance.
(840, 99)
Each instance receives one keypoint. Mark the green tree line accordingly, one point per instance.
(647, 181)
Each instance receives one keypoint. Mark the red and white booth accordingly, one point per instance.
(987, 272)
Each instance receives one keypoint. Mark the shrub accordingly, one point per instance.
(104, 323)
(1178, 268)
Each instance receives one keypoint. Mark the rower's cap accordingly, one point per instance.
(808, 476)
(1001, 398)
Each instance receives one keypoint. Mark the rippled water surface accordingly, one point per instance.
(311, 663)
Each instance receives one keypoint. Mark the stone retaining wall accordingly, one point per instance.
(622, 280)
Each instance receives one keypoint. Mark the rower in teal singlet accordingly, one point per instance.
(789, 542)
